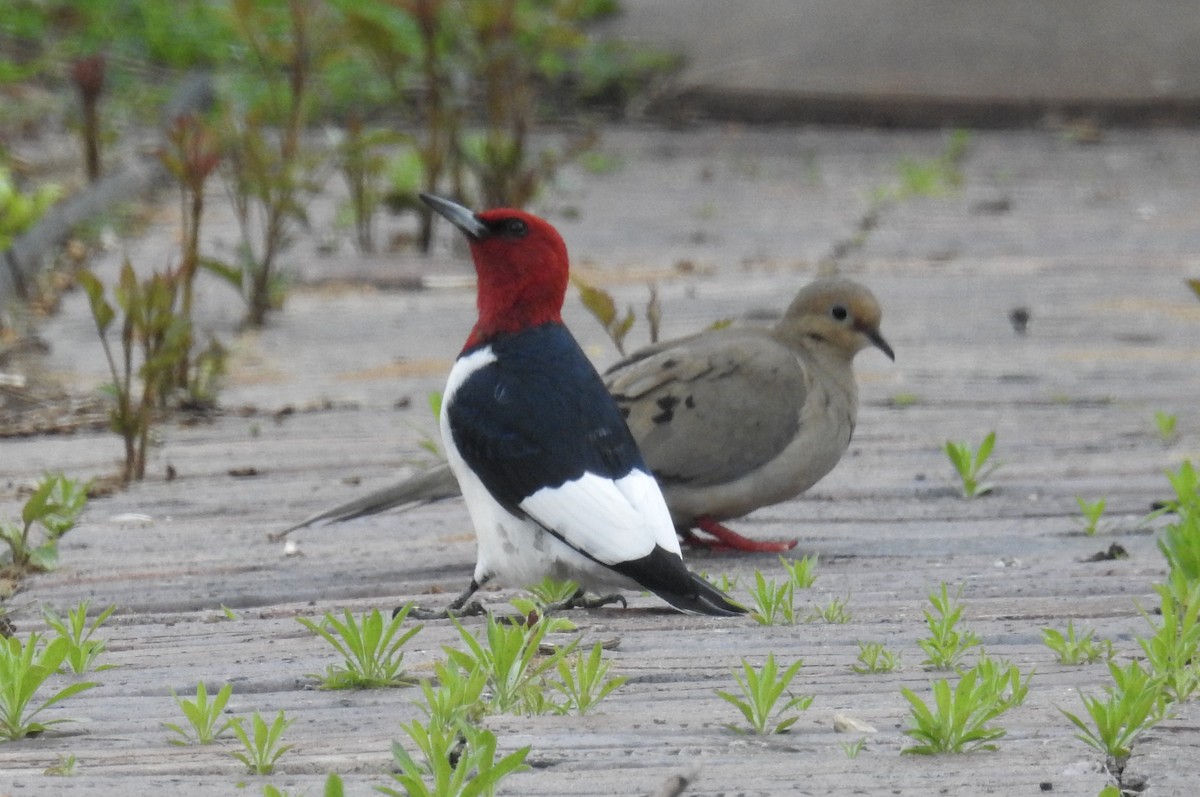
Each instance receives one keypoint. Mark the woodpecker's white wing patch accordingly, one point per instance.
(610, 521)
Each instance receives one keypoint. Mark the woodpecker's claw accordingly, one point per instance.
(472, 609)
(580, 601)
(727, 539)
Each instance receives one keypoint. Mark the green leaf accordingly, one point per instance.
(102, 311)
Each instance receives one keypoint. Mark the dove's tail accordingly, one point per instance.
(432, 485)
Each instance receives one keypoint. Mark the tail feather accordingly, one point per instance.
(706, 599)
(435, 484)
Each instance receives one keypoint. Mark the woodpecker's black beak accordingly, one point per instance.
(459, 216)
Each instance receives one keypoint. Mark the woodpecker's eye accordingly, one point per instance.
(515, 228)
(839, 312)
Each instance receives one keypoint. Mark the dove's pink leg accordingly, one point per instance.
(727, 539)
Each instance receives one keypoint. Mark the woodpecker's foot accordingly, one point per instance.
(583, 602)
(472, 609)
(580, 601)
(725, 539)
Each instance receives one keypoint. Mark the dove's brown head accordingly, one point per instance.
(834, 312)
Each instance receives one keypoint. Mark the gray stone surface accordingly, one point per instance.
(728, 222)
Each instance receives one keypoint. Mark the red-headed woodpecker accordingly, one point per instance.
(553, 480)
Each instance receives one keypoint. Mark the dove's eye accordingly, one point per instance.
(839, 312)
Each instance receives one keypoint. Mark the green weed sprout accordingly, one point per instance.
(1131, 706)
(801, 572)
(202, 715)
(75, 629)
(55, 505)
(762, 690)
(873, 657)
(454, 762)
(333, 788)
(64, 767)
(1165, 423)
(24, 667)
(946, 645)
(959, 721)
(1072, 649)
(852, 749)
(545, 597)
(835, 612)
(458, 697)
(1092, 511)
(511, 660)
(372, 649)
(1173, 651)
(263, 747)
(1179, 541)
(972, 466)
(774, 601)
(583, 682)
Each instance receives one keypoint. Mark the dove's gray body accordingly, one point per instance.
(732, 420)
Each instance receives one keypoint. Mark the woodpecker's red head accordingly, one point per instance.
(521, 262)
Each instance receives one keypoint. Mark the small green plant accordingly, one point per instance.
(1165, 423)
(372, 650)
(873, 657)
(268, 173)
(263, 746)
(153, 333)
(203, 715)
(1185, 482)
(363, 164)
(762, 690)
(191, 156)
(959, 721)
(1179, 541)
(774, 601)
(515, 669)
(902, 400)
(603, 308)
(19, 210)
(582, 681)
(601, 305)
(427, 441)
(24, 667)
(1173, 650)
(545, 597)
(852, 749)
(333, 788)
(801, 572)
(453, 762)
(76, 630)
(55, 505)
(1072, 649)
(972, 465)
(1092, 512)
(1130, 707)
(946, 645)
(836, 612)
(932, 177)
(64, 767)
(458, 697)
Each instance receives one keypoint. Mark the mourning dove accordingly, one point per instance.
(729, 420)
